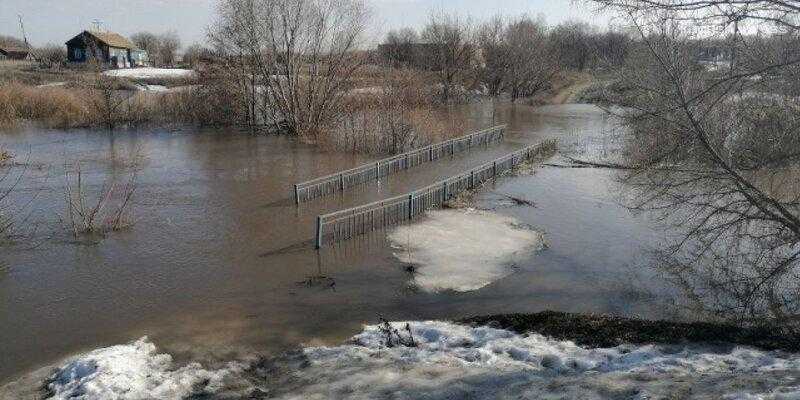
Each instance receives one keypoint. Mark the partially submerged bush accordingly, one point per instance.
(393, 117)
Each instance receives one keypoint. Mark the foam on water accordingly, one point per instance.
(463, 250)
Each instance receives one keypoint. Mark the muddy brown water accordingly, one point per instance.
(215, 264)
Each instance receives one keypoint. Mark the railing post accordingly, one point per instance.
(410, 206)
(430, 153)
(444, 190)
(377, 171)
(472, 179)
(296, 195)
(494, 169)
(341, 182)
(318, 237)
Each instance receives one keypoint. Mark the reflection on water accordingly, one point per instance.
(218, 262)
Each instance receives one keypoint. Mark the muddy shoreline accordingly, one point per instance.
(598, 330)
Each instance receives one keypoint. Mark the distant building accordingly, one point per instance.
(105, 47)
(13, 53)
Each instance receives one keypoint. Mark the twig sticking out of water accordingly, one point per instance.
(582, 163)
(519, 200)
(319, 281)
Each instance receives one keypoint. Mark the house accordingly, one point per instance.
(105, 47)
(13, 53)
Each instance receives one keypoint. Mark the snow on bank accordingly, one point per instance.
(454, 361)
(150, 73)
(463, 250)
(449, 362)
(133, 371)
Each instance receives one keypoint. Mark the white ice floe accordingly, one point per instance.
(131, 372)
(454, 361)
(463, 250)
(150, 73)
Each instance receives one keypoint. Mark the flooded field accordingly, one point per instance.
(219, 264)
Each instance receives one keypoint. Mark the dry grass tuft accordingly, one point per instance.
(55, 107)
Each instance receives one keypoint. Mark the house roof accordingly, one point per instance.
(14, 51)
(109, 38)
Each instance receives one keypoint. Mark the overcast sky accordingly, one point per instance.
(56, 21)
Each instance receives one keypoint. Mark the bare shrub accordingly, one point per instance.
(51, 55)
(106, 102)
(90, 214)
(391, 118)
(12, 210)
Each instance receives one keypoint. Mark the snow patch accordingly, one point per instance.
(449, 361)
(133, 371)
(152, 88)
(52, 84)
(463, 250)
(150, 73)
(456, 361)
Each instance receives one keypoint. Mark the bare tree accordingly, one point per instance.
(451, 49)
(149, 42)
(399, 46)
(168, 45)
(532, 61)
(612, 47)
(491, 38)
(195, 54)
(297, 57)
(572, 40)
(715, 154)
(518, 56)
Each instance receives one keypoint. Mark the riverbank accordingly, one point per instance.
(441, 360)
(593, 330)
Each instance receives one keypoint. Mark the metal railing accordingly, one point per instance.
(346, 224)
(340, 181)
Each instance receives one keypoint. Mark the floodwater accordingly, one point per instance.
(218, 262)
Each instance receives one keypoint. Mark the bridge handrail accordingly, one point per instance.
(376, 165)
(436, 192)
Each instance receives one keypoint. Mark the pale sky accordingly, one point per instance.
(56, 21)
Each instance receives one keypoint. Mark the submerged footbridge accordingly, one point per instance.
(420, 196)
(340, 181)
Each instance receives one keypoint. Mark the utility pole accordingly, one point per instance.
(22, 28)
